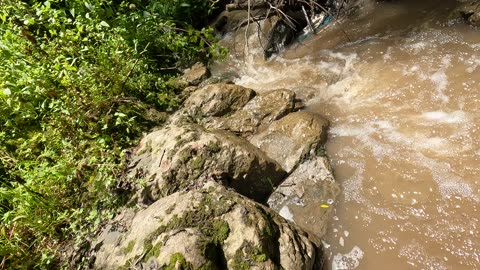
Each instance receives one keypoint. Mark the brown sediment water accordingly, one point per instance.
(401, 88)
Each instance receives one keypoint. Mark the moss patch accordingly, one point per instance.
(129, 247)
(213, 147)
(247, 256)
(220, 231)
(177, 261)
(153, 251)
(205, 219)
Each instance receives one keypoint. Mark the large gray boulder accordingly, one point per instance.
(209, 228)
(182, 157)
(292, 138)
(260, 111)
(307, 196)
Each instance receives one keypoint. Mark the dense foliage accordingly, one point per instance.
(80, 80)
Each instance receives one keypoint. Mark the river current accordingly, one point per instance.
(400, 86)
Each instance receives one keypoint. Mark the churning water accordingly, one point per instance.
(401, 88)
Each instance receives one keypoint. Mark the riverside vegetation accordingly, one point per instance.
(80, 81)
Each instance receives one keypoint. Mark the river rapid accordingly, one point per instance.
(400, 86)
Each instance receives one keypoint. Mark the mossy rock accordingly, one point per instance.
(210, 228)
(180, 157)
(292, 138)
(258, 112)
(213, 100)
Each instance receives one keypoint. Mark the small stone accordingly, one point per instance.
(196, 74)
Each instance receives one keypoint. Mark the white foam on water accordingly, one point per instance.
(448, 182)
(455, 117)
(352, 186)
(418, 46)
(446, 61)
(388, 54)
(308, 72)
(348, 261)
(417, 256)
(472, 62)
(440, 80)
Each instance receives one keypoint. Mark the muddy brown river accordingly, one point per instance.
(401, 88)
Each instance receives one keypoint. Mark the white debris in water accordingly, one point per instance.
(347, 261)
(346, 233)
(286, 214)
(325, 244)
(341, 241)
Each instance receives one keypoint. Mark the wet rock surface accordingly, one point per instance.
(210, 228)
(260, 111)
(213, 100)
(292, 138)
(307, 196)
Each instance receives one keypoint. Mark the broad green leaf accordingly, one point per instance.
(104, 24)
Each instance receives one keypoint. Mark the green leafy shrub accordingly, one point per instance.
(80, 81)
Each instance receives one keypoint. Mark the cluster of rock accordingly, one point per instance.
(203, 181)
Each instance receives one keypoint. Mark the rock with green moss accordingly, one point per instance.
(292, 138)
(308, 196)
(260, 111)
(208, 228)
(181, 157)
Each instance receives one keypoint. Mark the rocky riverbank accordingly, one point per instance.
(234, 180)
(205, 179)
